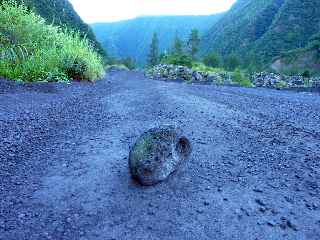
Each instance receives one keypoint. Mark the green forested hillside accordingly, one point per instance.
(260, 30)
(132, 38)
(61, 12)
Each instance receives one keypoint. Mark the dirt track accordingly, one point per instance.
(254, 172)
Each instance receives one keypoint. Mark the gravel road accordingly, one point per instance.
(254, 171)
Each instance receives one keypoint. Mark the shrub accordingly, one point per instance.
(200, 67)
(241, 79)
(32, 50)
(178, 59)
(306, 74)
(281, 85)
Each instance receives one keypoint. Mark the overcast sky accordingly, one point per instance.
(109, 10)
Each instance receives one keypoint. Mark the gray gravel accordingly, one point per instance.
(254, 172)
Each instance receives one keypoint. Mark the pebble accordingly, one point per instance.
(260, 202)
(258, 190)
(271, 223)
(200, 211)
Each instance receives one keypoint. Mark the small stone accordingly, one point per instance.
(262, 209)
(271, 223)
(260, 202)
(258, 190)
(200, 211)
(206, 203)
(292, 225)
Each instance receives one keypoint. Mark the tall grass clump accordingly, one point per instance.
(32, 50)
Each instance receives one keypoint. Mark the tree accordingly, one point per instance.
(178, 59)
(231, 62)
(212, 60)
(153, 57)
(193, 43)
(177, 47)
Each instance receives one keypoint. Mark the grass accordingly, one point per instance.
(32, 50)
(240, 78)
(281, 85)
(201, 67)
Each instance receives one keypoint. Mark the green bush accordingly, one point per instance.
(240, 78)
(200, 67)
(32, 50)
(178, 59)
(281, 85)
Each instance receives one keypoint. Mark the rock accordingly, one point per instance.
(173, 72)
(260, 202)
(197, 76)
(157, 154)
(272, 80)
(271, 223)
(286, 223)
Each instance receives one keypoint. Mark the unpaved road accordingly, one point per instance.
(254, 172)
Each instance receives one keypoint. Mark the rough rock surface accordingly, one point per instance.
(173, 72)
(273, 80)
(158, 153)
(262, 79)
(254, 172)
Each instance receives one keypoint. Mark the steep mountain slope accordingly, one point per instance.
(263, 29)
(133, 37)
(61, 12)
(302, 60)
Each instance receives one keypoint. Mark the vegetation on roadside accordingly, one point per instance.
(185, 53)
(61, 13)
(32, 50)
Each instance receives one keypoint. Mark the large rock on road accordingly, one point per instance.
(157, 154)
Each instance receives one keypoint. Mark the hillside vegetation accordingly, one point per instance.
(32, 50)
(261, 30)
(62, 13)
(131, 38)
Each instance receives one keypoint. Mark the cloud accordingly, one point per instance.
(107, 10)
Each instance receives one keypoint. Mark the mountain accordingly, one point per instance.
(132, 38)
(61, 12)
(300, 60)
(264, 29)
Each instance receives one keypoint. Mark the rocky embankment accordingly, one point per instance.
(164, 71)
(273, 80)
(263, 79)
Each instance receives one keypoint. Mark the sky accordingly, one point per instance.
(114, 10)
